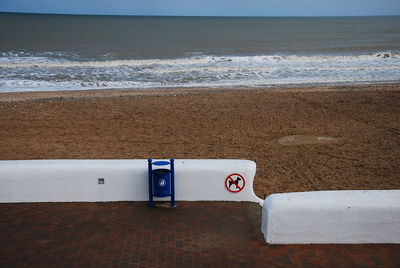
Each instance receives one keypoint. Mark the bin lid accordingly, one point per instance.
(161, 163)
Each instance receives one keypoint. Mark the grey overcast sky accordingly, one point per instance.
(207, 7)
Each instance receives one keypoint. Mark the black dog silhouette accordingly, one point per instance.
(237, 183)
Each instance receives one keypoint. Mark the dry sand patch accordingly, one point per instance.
(305, 139)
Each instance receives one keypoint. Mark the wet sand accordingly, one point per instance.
(359, 126)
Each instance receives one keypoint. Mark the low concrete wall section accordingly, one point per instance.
(332, 217)
(124, 180)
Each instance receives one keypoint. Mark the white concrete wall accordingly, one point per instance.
(125, 180)
(332, 217)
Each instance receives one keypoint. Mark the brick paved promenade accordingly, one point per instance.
(129, 234)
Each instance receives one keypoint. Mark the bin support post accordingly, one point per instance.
(172, 182)
(150, 172)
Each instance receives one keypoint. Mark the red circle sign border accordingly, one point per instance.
(235, 174)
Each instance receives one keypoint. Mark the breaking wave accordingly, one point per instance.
(22, 71)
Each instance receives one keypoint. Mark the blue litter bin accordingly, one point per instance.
(162, 182)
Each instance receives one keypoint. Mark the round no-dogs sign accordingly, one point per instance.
(235, 182)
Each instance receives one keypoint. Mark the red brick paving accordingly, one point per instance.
(129, 234)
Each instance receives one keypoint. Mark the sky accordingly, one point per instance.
(207, 7)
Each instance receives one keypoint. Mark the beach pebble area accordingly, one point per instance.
(302, 139)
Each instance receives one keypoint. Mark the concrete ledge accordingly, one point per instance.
(124, 180)
(332, 217)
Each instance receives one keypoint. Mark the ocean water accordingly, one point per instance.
(64, 52)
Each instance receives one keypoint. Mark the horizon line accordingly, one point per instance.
(198, 16)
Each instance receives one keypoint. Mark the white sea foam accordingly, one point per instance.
(10, 60)
(58, 71)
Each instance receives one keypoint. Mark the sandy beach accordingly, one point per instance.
(358, 129)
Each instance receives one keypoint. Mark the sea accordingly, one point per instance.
(75, 52)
